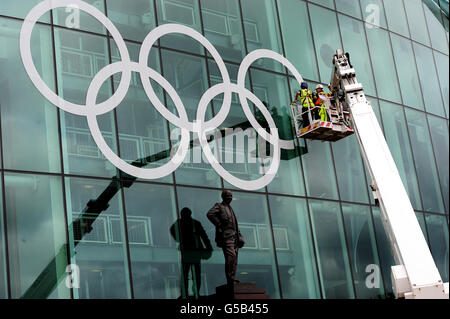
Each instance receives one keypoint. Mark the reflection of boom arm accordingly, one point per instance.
(416, 274)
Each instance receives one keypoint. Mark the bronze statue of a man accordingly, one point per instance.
(228, 236)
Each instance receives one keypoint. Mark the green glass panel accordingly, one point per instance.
(134, 19)
(349, 7)
(439, 137)
(350, 170)
(326, 3)
(421, 218)
(297, 37)
(396, 17)
(354, 40)
(326, 39)
(376, 108)
(383, 65)
(384, 249)
(79, 57)
(223, 27)
(397, 139)
(416, 20)
(363, 251)
(29, 121)
(407, 72)
(425, 163)
(3, 274)
(331, 250)
(319, 171)
(442, 69)
(143, 131)
(428, 80)
(262, 30)
(437, 31)
(99, 253)
(256, 261)
(154, 253)
(237, 143)
(13, 8)
(294, 247)
(189, 77)
(74, 18)
(37, 247)
(185, 12)
(273, 91)
(373, 12)
(438, 232)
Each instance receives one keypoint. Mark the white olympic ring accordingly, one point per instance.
(91, 110)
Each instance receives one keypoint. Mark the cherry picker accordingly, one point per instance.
(415, 276)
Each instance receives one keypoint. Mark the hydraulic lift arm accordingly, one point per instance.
(416, 274)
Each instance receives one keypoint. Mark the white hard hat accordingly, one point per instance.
(319, 86)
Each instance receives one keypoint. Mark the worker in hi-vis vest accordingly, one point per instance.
(319, 102)
(305, 97)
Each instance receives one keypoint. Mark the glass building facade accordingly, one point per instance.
(313, 232)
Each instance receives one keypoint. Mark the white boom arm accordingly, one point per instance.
(416, 274)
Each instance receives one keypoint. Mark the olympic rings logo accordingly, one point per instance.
(91, 110)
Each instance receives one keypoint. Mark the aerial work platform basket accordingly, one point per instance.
(309, 126)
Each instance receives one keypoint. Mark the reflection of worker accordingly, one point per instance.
(195, 246)
(318, 102)
(228, 236)
(305, 97)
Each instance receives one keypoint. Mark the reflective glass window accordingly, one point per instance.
(189, 77)
(97, 238)
(436, 30)
(79, 57)
(262, 30)
(325, 3)
(428, 80)
(349, 7)
(354, 41)
(237, 142)
(383, 64)
(185, 12)
(154, 241)
(326, 39)
(396, 135)
(223, 27)
(13, 8)
(37, 247)
(256, 260)
(407, 71)
(350, 170)
(416, 20)
(74, 18)
(134, 19)
(3, 274)
(29, 121)
(363, 251)
(319, 171)
(297, 37)
(421, 219)
(273, 91)
(439, 137)
(442, 69)
(425, 163)
(384, 249)
(373, 13)
(396, 17)
(294, 247)
(438, 232)
(331, 248)
(143, 131)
